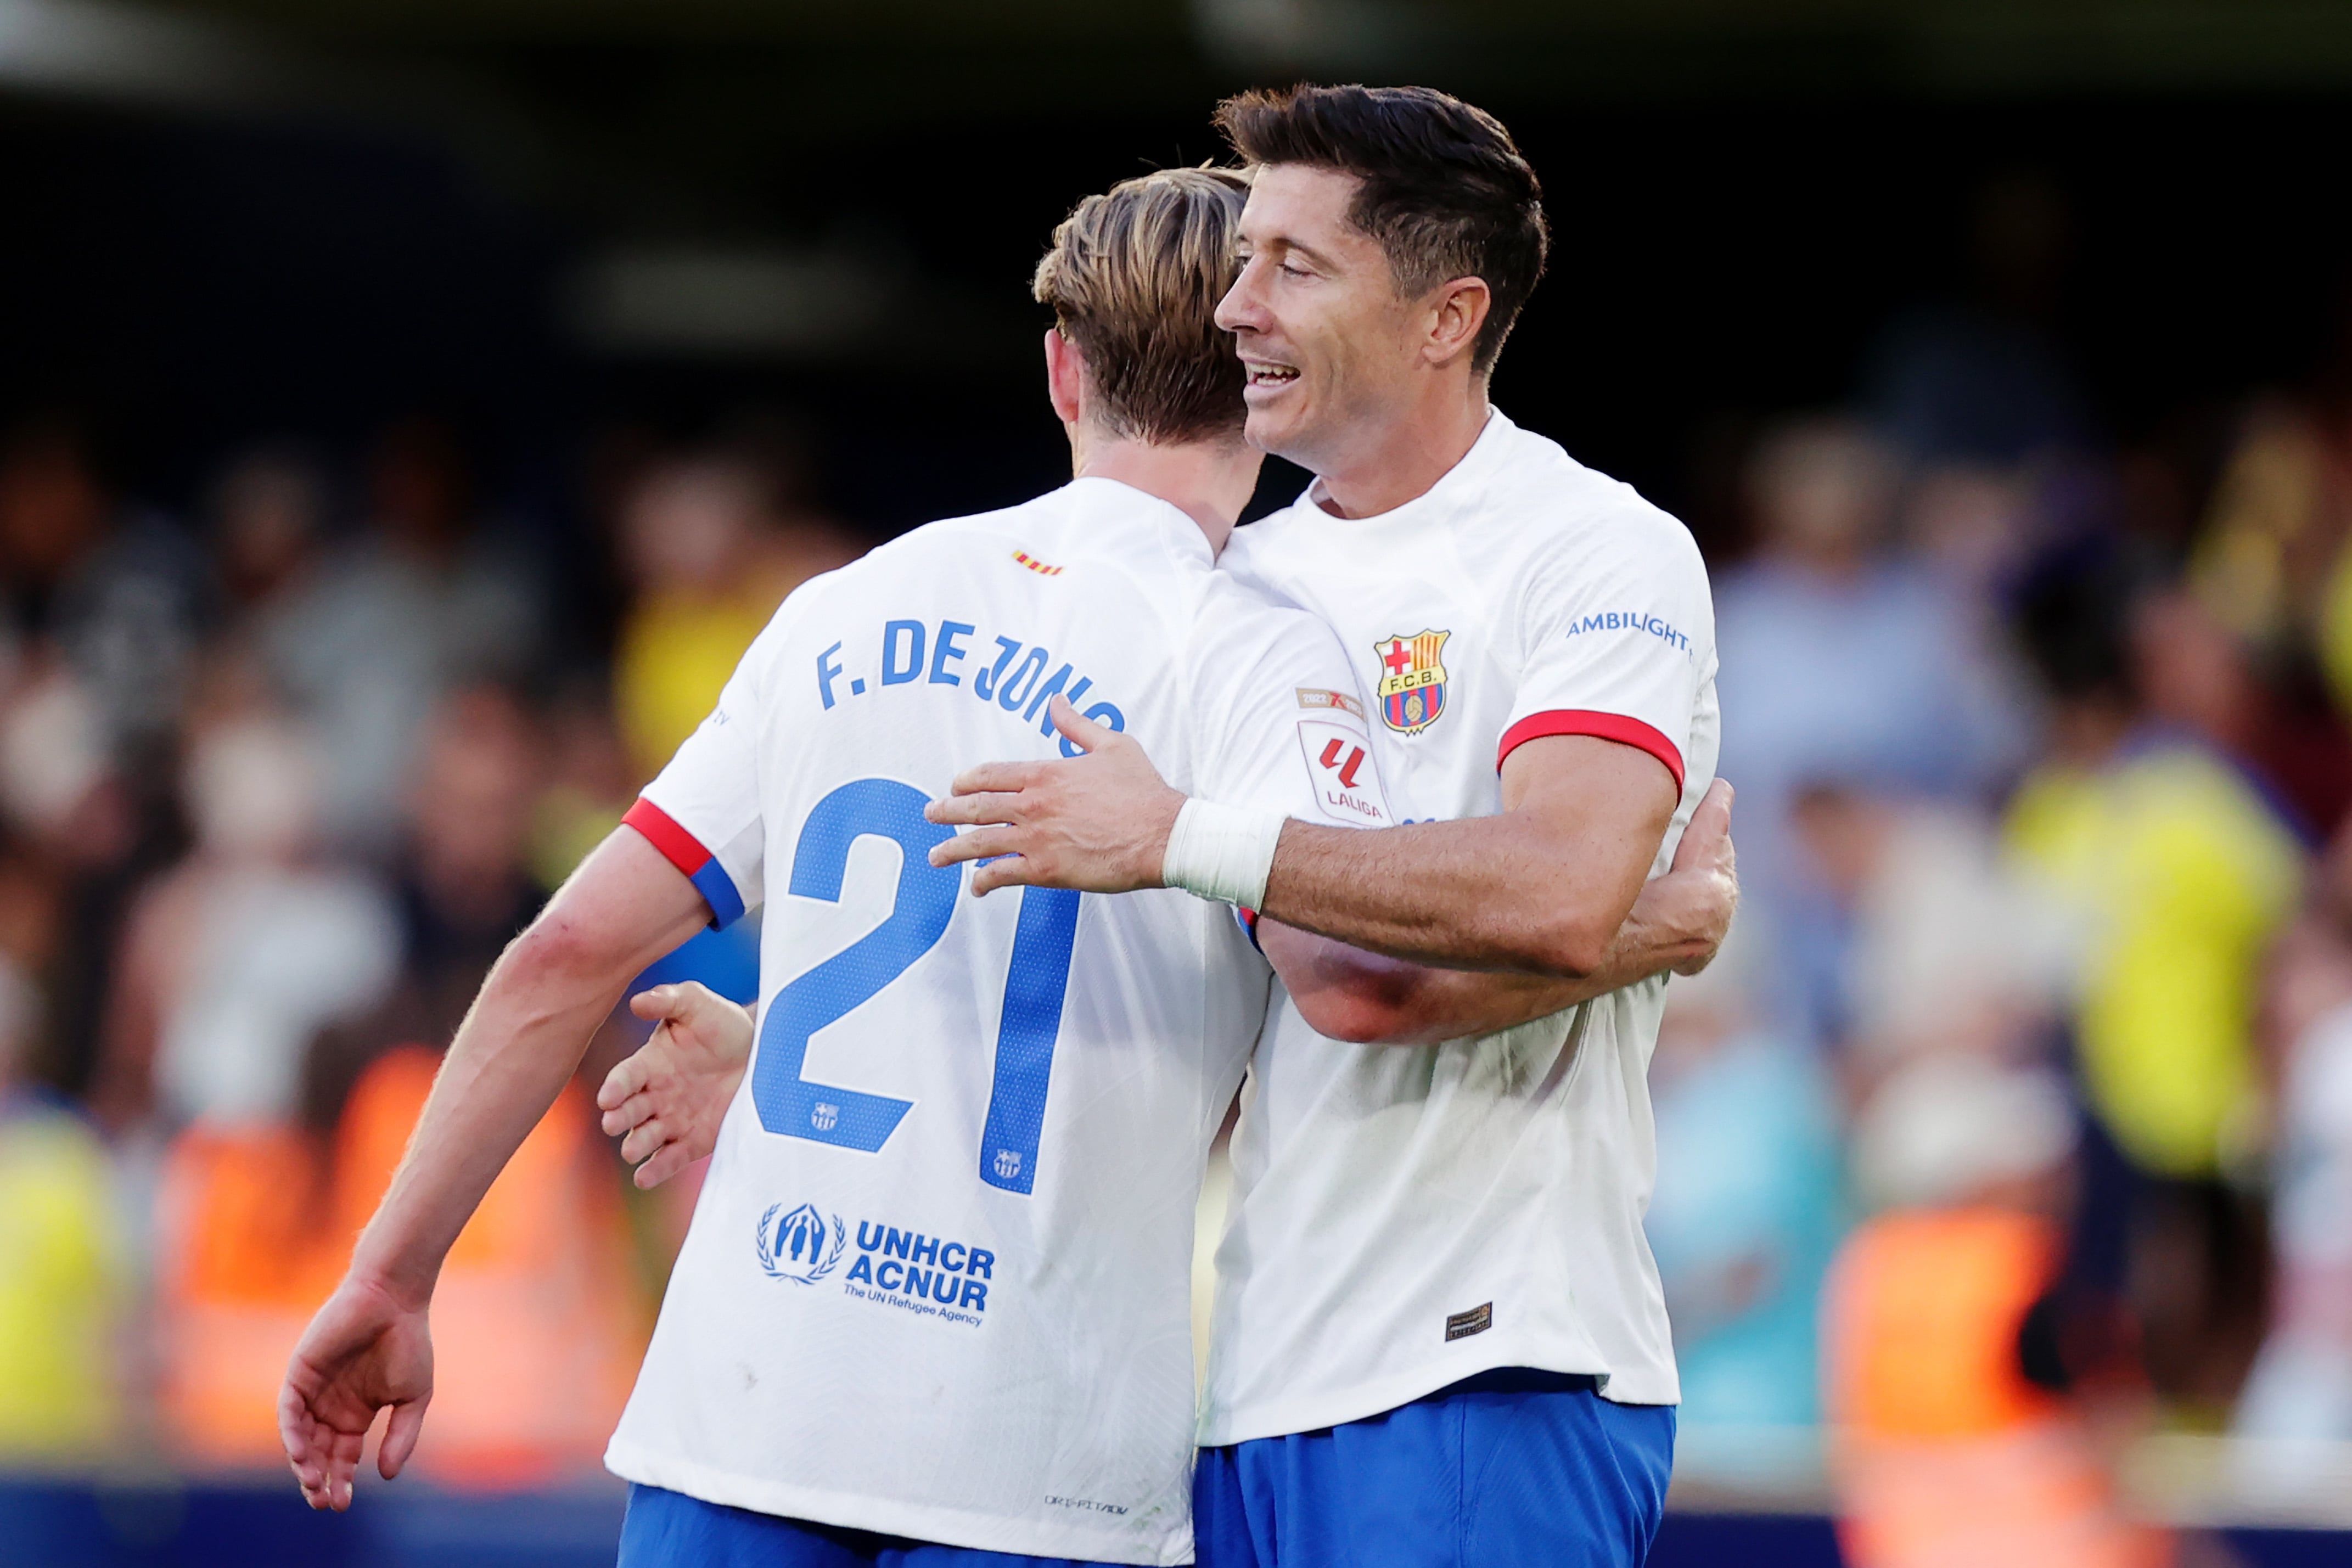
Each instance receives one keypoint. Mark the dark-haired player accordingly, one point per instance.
(1439, 1334)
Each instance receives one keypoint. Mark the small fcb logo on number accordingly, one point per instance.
(1412, 680)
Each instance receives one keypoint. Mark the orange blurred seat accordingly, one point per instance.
(1946, 1454)
(537, 1327)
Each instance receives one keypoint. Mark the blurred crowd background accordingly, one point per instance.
(406, 420)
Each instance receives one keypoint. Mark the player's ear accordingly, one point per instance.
(1459, 309)
(1065, 376)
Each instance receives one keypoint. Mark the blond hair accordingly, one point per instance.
(1133, 279)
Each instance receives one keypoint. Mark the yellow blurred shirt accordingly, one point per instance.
(2182, 873)
(676, 652)
(60, 1290)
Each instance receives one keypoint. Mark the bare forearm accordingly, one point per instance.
(1484, 894)
(1540, 889)
(1456, 1003)
(1349, 994)
(520, 1041)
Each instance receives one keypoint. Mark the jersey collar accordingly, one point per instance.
(1432, 502)
(1106, 505)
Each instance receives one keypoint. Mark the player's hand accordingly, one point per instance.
(1099, 823)
(366, 1349)
(1706, 861)
(671, 1094)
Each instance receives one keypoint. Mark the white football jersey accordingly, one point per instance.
(1405, 1217)
(937, 1284)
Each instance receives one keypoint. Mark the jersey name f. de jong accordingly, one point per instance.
(938, 1281)
(1405, 1217)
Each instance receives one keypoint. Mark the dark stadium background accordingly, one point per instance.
(187, 283)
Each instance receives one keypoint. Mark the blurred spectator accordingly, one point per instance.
(589, 784)
(1981, 380)
(1957, 1441)
(233, 960)
(2272, 565)
(1946, 949)
(84, 843)
(465, 887)
(710, 559)
(123, 592)
(269, 519)
(2177, 865)
(2178, 872)
(1746, 1213)
(2300, 1387)
(61, 1291)
(428, 599)
(1839, 662)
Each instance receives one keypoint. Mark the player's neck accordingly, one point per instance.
(1396, 456)
(1208, 481)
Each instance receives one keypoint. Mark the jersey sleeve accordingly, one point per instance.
(1617, 640)
(702, 811)
(1286, 722)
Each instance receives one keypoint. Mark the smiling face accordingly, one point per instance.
(1331, 348)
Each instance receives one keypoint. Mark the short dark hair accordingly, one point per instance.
(1445, 190)
(1133, 279)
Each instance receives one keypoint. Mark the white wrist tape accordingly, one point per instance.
(1223, 853)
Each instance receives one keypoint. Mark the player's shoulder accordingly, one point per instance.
(1041, 522)
(897, 572)
(1540, 503)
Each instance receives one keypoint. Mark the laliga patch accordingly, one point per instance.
(1339, 765)
(1412, 680)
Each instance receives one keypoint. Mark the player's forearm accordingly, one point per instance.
(1369, 1000)
(519, 1044)
(1486, 892)
(521, 1040)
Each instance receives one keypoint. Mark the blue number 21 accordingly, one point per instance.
(1032, 1019)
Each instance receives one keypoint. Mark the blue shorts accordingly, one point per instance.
(1508, 1467)
(669, 1530)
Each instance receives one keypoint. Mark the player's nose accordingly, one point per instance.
(1240, 309)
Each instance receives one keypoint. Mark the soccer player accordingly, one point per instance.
(932, 1308)
(1439, 1335)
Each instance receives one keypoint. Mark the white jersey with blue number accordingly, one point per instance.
(937, 1283)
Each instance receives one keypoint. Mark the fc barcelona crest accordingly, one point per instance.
(1412, 680)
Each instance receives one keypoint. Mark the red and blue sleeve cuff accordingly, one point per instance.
(684, 851)
(1613, 726)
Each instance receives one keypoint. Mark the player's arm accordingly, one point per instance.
(1678, 923)
(520, 1041)
(1540, 889)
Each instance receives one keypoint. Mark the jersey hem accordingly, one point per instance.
(1313, 1413)
(1616, 727)
(936, 1526)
